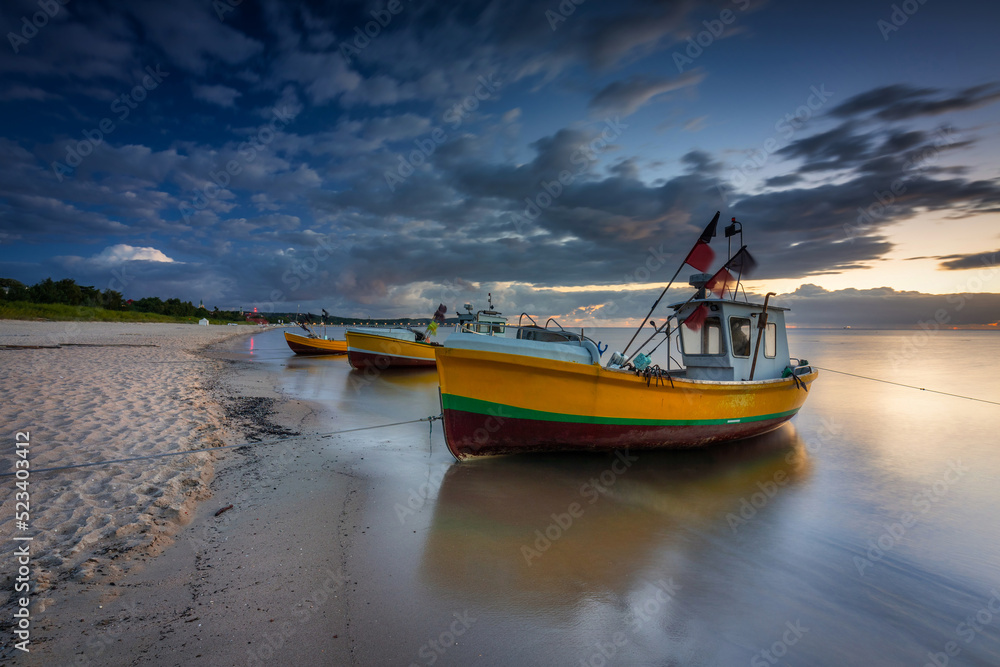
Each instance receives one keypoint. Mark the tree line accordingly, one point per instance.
(67, 292)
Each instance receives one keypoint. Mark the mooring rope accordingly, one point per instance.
(909, 386)
(34, 471)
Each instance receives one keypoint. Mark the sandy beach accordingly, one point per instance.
(90, 392)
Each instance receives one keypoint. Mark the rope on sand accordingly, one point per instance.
(908, 386)
(35, 471)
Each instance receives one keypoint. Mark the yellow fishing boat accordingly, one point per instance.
(308, 345)
(548, 390)
(389, 348)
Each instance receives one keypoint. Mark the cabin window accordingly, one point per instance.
(483, 328)
(739, 330)
(706, 340)
(771, 340)
(498, 328)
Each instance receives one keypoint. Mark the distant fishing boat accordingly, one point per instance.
(308, 345)
(485, 322)
(389, 348)
(547, 389)
(407, 347)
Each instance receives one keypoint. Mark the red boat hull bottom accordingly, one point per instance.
(362, 360)
(473, 434)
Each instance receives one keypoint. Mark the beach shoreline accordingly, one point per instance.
(119, 606)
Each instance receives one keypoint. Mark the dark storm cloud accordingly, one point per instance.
(834, 149)
(783, 180)
(969, 261)
(835, 226)
(902, 102)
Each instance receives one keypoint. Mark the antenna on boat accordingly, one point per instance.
(732, 230)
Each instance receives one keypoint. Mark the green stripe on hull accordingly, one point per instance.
(488, 408)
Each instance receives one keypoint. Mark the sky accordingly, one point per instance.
(379, 158)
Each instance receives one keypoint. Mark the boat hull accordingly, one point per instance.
(305, 345)
(532, 404)
(365, 350)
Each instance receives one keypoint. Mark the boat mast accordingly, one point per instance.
(709, 232)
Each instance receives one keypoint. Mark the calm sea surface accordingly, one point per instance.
(866, 532)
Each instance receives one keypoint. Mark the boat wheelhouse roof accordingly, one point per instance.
(490, 316)
(749, 304)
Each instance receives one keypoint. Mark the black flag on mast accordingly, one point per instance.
(701, 255)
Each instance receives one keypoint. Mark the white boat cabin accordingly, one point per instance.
(723, 347)
(488, 322)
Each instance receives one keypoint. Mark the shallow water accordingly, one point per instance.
(861, 533)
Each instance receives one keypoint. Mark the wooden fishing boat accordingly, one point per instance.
(547, 389)
(309, 345)
(503, 395)
(389, 348)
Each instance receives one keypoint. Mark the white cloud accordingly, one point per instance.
(116, 254)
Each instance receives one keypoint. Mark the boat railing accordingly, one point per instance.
(553, 320)
(521, 318)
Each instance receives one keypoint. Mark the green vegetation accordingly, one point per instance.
(64, 300)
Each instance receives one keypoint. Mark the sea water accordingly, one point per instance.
(862, 533)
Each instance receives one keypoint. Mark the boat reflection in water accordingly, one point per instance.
(545, 531)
